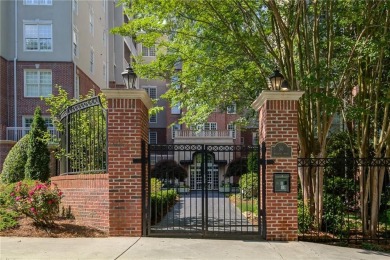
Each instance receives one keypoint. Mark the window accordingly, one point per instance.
(175, 110)
(153, 118)
(91, 60)
(91, 22)
(37, 83)
(152, 92)
(255, 138)
(205, 126)
(75, 6)
(149, 51)
(231, 109)
(210, 126)
(38, 36)
(152, 137)
(75, 43)
(232, 129)
(27, 121)
(174, 128)
(37, 2)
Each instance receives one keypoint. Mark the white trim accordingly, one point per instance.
(275, 95)
(129, 94)
(38, 23)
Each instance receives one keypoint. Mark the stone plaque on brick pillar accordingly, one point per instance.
(278, 127)
(127, 126)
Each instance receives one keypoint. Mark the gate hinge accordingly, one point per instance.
(270, 161)
(140, 160)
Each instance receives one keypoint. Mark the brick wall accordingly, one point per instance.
(127, 125)
(87, 196)
(278, 122)
(86, 83)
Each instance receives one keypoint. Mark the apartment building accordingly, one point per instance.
(44, 43)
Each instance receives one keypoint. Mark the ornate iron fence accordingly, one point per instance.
(84, 138)
(203, 182)
(344, 199)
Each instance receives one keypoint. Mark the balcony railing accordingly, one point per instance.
(204, 134)
(16, 133)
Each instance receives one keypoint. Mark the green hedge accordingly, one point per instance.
(14, 163)
(249, 185)
(161, 202)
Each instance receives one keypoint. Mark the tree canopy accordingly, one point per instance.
(337, 52)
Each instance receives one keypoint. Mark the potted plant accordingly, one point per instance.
(183, 188)
(225, 187)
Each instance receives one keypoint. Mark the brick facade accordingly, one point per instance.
(127, 125)
(86, 83)
(62, 75)
(278, 122)
(87, 197)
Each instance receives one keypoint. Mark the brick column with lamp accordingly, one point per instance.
(278, 129)
(127, 127)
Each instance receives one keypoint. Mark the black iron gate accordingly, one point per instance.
(204, 190)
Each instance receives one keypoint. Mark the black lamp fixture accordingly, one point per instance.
(277, 81)
(129, 77)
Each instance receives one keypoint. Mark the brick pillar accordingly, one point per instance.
(278, 128)
(127, 125)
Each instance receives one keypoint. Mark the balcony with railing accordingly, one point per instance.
(16, 133)
(204, 136)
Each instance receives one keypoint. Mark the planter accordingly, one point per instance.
(224, 189)
(183, 190)
(235, 189)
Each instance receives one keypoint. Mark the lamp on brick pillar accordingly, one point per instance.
(277, 81)
(278, 130)
(129, 77)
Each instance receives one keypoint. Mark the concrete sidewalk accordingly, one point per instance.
(172, 248)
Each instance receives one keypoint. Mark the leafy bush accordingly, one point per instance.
(41, 202)
(6, 200)
(155, 185)
(160, 203)
(334, 214)
(7, 219)
(304, 218)
(38, 154)
(253, 162)
(14, 163)
(249, 185)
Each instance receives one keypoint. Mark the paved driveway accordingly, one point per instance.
(222, 215)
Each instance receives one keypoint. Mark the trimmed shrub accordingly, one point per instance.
(305, 220)
(15, 162)
(253, 162)
(160, 203)
(7, 219)
(155, 185)
(38, 154)
(40, 203)
(249, 185)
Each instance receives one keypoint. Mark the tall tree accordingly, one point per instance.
(229, 47)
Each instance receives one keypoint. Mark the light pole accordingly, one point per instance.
(278, 82)
(129, 77)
